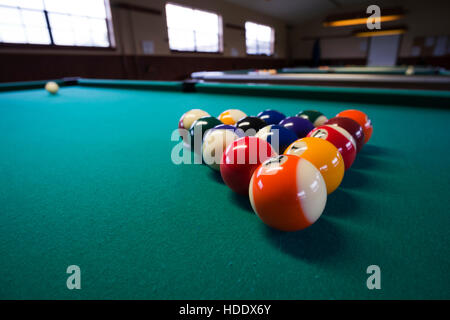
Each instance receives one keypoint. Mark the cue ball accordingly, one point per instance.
(187, 120)
(52, 87)
(317, 118)
(288, 193)
(352, 127)
(231, 116)
(271, 116)
(279, 137)
(214, 144)
(250, 125)
(340, 138)
(362, 119)
(324, 156)
(240, 159)
(300, 126)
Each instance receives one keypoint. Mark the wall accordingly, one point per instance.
(422, 19)
(146, 26)
(132, 27)
(128, 61)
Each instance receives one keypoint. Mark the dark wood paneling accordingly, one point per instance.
(443, 61)
(331, 62)
(27, 67)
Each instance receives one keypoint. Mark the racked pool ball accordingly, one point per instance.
(288, 193)
(187, 120)
(231, 116)
(198, 130)
(352, 127)
(240, 159)
(279, 137)
(237, 131)
(324, 156)
(315, 117)
(250, 125)
(214, 144)
(271, 116)
(340, 138)
(362, 119)
(52, 87)
(300, 126)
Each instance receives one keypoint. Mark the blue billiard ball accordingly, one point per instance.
(237, 131)
(271, 116)
(279, 137)
(301, 127)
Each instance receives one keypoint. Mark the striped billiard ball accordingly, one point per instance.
(340, 138)
(317, 118)
(214, 144)
(352, 127)
(288, 193)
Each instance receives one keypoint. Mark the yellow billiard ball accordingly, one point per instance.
(52, 87)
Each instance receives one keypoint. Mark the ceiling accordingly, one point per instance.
(296, 11)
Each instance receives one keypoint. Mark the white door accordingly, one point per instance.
(383, 51)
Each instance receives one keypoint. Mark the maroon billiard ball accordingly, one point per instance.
(352, 127)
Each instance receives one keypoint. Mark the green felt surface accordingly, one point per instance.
(86, 178)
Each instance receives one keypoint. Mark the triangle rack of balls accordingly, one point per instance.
(286, 165)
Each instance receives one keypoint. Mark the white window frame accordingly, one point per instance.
(219, 35)
(109, 27)
(272, 40)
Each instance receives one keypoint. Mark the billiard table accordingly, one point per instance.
(423, 78)
(87, 178)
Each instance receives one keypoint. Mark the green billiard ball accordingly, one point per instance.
(315, 117)
(198, 130)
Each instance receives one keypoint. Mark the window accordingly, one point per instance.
(193, 30)
(58, 22)
(259, 39)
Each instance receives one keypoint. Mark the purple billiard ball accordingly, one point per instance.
(301, 127)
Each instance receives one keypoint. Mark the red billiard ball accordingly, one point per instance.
(240, 159)
(340, 138)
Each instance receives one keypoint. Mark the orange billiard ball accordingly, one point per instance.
(362, 119)
(288, 193)
(324, 156)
